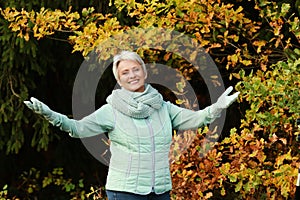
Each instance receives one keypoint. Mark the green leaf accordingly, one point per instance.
(81, 183)
(238, 186)
(285, 8)
(232, 177)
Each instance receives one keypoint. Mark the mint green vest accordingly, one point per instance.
(140, 153)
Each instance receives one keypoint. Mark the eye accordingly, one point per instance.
(125, 72)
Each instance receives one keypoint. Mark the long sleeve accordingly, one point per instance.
(100, 121)
(183, 119)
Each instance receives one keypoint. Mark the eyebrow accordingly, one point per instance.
(134, 67)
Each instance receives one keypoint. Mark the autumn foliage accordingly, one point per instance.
(255, 46)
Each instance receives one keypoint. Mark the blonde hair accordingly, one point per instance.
(127, 55)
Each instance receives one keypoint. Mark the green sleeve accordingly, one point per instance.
(183, 119)
(100, 121)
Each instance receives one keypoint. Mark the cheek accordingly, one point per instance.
(142, 74)
(122, 80)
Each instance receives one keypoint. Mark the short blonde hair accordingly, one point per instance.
(127, 55)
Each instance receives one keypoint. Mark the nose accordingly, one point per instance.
(131, 74)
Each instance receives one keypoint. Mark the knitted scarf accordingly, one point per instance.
(136, 104)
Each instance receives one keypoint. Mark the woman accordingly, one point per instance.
(139, 124)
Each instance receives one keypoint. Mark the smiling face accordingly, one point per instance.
(131, 76)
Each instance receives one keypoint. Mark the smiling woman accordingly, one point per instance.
(131, 76)
(130, 71)
(139, 124)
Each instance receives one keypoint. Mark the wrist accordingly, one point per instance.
(215, 110)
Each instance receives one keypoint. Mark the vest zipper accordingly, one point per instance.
(129, 166)
(153, 152)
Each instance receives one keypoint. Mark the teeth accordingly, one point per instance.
(135, 81)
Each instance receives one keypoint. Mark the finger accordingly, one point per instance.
(33, 99)
(37, 102)
(228, 91)
(28, 104)
(235, 95)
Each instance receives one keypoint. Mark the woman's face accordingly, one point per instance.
(131, 76)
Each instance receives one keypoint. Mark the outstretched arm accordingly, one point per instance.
(183, 119)
(98, 122)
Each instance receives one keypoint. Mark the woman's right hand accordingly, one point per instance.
(55, 118)
(38, 107)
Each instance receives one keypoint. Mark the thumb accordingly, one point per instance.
(28, 104)
(233, 97)
(34, 100)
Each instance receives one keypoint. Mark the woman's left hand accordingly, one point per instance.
(223, 102)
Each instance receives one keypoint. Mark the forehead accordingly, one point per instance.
(126, 64)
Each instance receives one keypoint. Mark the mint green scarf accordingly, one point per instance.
(136, 104)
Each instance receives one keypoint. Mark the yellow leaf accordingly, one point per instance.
(234, 58)
(214, 76)
(246, 62)
(236, 75)
(259, 44)
(193, 56)
(180, 101)
(223, 192)
(280, 159)
(26, 37)
(253, 154)
(208, 195)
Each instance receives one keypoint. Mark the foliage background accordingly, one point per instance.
(255, 45)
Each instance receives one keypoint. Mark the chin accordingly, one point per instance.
(138, 89)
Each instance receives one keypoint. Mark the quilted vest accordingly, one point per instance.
(140, 153)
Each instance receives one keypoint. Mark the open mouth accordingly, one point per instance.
(134, 82)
